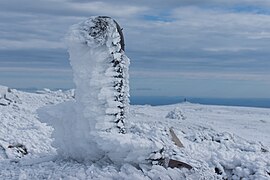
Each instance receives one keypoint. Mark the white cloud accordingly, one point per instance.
(259, 35)
(232, 49)
(242, 76)
(30, 44)
(191, 38)
(110, 9)
(36, 70)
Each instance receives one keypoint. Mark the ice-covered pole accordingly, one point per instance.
(100, 68)
(93, 127)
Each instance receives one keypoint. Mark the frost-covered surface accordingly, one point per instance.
(176, 114)
(93, 126)
(7, 96)
(219, 141)
(100, 69)
(19, 123)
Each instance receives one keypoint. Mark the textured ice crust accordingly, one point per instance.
(94, 126)
(100, 69)
(218, 141)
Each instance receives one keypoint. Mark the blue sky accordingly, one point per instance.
(177, 48)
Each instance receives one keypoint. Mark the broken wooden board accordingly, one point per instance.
(168, 162)
(178, 164)
(175, 139)
(172, 163)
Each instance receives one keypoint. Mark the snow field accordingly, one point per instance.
(211, 145)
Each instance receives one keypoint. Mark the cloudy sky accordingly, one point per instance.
(210, 48)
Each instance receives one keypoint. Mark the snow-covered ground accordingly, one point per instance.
(219, 141)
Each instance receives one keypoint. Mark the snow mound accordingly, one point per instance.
(176, 114)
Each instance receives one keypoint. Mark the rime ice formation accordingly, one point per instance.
(93, 127)
(100, 66)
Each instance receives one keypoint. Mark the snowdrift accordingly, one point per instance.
(219, 142)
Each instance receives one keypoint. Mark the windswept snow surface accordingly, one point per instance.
(220, 142)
